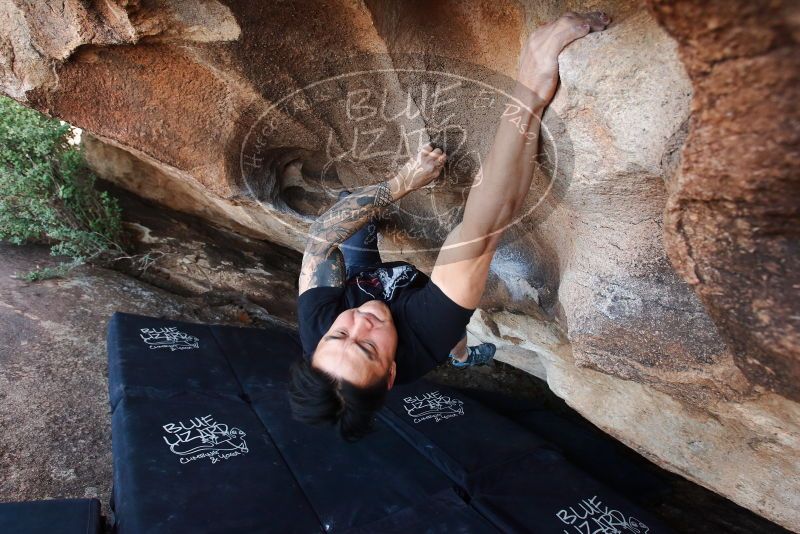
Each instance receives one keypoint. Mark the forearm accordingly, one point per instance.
(323, 264)
(508, 169)
(349, 214)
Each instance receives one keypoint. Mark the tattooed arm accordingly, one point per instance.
(323, 263)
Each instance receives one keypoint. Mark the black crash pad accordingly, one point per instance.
(57, 516)
(514, 478)
(158, 356)
(542, 492)
(585, 447)
(167, 479)
(438, 461)
(356, 484)
(456, 433)
(190, 454)
(290, 478)
(378, 479)
(443, 512)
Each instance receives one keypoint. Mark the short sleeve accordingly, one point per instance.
(433, 324)
(317, 308)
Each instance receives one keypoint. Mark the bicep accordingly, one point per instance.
(462, 267)
(323, 266)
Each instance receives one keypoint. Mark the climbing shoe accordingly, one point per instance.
(477, 355)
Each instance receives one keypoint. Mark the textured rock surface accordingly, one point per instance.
(187, 256)
(653, 281)
(732, 217)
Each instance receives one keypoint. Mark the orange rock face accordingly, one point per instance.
(653, 281)
(733, 216)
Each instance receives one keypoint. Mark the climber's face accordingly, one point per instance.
(360, 345)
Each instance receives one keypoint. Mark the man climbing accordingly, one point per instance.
(366, 325)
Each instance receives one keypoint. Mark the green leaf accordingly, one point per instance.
(47, 191)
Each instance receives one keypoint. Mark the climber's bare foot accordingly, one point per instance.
(539, 65)
(423, 169)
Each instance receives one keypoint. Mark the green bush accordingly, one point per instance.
(47, 193)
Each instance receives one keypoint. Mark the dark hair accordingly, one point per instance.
(318, 398)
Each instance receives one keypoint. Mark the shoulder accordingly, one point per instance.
(320, 293)
(316, 300)
(430, 298)
(317, 308)
(429, 324)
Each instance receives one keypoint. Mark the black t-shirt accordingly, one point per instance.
(428, 323)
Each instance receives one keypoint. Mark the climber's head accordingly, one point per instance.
(350, 372)
(360, 346)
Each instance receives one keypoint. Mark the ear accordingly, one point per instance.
(392, 373)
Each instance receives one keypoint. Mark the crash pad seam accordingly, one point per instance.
(245, 397)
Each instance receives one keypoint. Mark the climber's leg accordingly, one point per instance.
(505, 177)
(360, 250)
